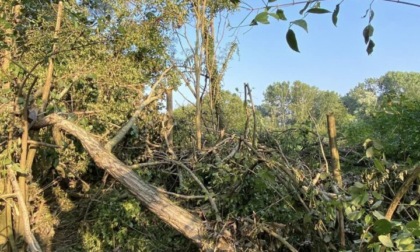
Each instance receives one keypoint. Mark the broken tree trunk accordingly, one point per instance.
(335, 159)
(178, 218)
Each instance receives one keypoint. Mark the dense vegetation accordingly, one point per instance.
(94, 157)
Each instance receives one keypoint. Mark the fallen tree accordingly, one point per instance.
(177, 217)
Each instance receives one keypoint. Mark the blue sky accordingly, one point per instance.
(330, 58)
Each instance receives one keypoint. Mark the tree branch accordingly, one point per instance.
(403, 2)
(403, 190)
(29, 236)
(206, 191)
(126, 128)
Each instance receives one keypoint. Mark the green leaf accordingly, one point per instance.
(416, 232)
(382, 227)
(406, 241)
(360, 199)
(377, 195)
(367, 33)
(302, 23)
(354, 216)
(372, 14)
(280, 14)
(318, 11)
(378, 215)
(271, 1)
(291, 40)
(262, 18)
(378, 165)
(274, 15)
(376, 205)
(335, 14)
(370, 47)
(368, 219)
(359, 185)
(413, 227)
(386, 241)
(253, 22)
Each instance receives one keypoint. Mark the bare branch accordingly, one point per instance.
(403, 2)
(138, 166)
(188, 197)
(211, 200)
(281, 239)
(36, 144)
(126, 128)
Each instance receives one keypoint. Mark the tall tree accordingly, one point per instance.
(202, 69)
(278, 98)
(400, 83)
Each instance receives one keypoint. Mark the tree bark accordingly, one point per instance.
(28, 235)
(6, 232)
(48, 81)
(170, 114)
(178, 218)
(401, 192)
(197, 72)
(335, 158)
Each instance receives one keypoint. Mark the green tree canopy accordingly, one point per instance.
(299, 103)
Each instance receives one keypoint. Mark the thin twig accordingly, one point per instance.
(138, 166)
(403, 2)
(188, 197)
(36, 144)
(119, 136)
(206, 191)
(281, 239)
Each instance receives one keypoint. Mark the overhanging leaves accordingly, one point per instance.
(291, 40)
(301, 23)
(262, 18)
(367, 33)
(370, 47)
(335, 14)
(280, 14)
(318, 11)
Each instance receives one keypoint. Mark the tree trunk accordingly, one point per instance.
(335, 158)
(48, 81)
(178, 218)
(6, 233)
(170, 113)
(197, 72)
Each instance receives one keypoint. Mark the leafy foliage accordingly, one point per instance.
(106, 57)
